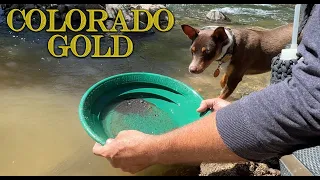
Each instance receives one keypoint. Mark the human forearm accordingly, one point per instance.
(194, 143)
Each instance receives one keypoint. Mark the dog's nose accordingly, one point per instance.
(192, 69)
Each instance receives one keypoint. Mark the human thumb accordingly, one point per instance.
(203, 106)
(109, 141)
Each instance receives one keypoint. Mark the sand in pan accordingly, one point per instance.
(138, 114)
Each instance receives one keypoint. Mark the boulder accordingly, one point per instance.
(217, 16)
(152, 8)
(112, 10)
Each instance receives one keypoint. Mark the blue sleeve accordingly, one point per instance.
(283, 117)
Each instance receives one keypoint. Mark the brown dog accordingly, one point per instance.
(240, 51)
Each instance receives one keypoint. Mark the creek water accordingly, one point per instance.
(40, 132)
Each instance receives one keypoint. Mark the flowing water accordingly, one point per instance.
(40, 132)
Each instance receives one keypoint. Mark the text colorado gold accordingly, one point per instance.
(90, 23)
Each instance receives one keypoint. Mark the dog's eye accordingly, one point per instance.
(205, 50)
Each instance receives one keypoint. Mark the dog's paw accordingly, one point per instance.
(223, 93)
(221, 96)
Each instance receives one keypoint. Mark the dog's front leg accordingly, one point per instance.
(229, 87)
(232, 82)
(225, 77)
(224, 80)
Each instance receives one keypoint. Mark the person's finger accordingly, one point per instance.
(206, 104)
(219, 103)
(107, 144)
(97, 149)
(203, 106)
(100, 150)
(109, 141)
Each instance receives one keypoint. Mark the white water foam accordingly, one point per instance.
(247, 11)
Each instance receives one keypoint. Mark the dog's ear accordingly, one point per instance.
(191, 32)
(219, 34)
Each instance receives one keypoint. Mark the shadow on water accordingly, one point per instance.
(39, 126)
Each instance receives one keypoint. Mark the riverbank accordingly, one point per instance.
(267, 168)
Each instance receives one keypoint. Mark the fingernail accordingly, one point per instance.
(109, 141)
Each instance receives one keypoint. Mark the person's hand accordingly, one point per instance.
(131, 151)
(213, 104)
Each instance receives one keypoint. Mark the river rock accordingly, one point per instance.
(217, 16)
(112, 10)
(152, 8)
(109, 23)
